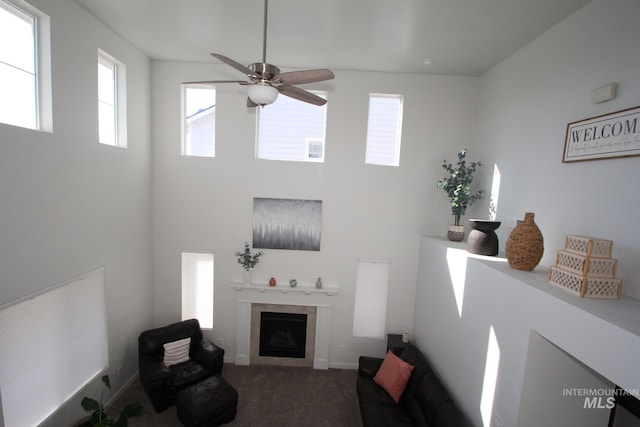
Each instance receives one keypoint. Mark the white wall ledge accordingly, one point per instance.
(623, 312)
(474, 295)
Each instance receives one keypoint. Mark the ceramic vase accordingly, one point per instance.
(525, 245)
(246, 277)
(483, 239)
(456, 233)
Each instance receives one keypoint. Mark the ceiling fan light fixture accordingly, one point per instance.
(262, 94)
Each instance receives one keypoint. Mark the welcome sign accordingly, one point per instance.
(611, 135)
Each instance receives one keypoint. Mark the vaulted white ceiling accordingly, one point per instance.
(460, 37)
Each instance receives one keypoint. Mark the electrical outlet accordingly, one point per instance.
(497, 420)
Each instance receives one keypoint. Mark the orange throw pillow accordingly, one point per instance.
(393, 375)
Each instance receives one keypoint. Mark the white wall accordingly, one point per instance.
(524, 107)
(543, 402)
(526, 103)
(71, 205)
(205, 204)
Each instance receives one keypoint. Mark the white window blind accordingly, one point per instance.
(199, 121)
(292, 130)
(53, 344)
(370, 310)
(384, 130)
(197, 287)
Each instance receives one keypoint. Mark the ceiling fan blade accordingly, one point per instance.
(238, 66)
(214, 82)
(302, 77)
(301, 95)
(250, 103)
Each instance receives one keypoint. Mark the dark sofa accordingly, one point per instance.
(162, 383)
(425, 401)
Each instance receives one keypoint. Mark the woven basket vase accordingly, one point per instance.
(525, 245)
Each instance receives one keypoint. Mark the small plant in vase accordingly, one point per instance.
(458, 187)
(248, 261)
(99, 416)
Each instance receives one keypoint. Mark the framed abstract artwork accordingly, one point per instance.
(287, 224)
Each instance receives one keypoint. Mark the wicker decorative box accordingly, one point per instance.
(588, 246)
(587, 266)
(591, 287)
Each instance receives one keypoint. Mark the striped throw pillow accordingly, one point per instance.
(176, 352)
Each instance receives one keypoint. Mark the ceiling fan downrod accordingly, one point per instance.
(264, 33)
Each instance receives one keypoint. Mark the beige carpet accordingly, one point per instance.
(273, 396)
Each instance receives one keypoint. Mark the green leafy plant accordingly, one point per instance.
(99, 416)
(247, 259)
(458, 185)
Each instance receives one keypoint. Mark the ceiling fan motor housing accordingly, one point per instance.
(264, 70)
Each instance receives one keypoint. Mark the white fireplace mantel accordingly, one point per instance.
(246, 295)
(307, 290)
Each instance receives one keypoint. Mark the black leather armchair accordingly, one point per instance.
(162, 382)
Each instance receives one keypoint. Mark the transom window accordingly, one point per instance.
(292, 130)
(199, 121)
(25, 82)
(384, 130)
(112, 112)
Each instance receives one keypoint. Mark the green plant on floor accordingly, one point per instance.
(247, 259)
(99, 416)
(458, 185)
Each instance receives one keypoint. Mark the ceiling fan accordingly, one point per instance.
(266, 81)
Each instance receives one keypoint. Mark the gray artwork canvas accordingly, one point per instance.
(287, 224)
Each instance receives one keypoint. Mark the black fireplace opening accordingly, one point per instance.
(283, 334)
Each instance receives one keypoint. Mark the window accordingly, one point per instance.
(197, 287)
(384, 129)
(112, 105)
(25, 78)
(292, 130)
(53, 344)
(370, 310)
(199, 121)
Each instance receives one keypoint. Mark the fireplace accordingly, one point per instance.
(283, 334)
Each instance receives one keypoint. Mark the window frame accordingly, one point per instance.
(42, 102)
(371, 298)
(189, 288)
(398, 130)
(184, 100)
(305, 142)
(119, 99)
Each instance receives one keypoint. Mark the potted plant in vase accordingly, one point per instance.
(458, 187)
(99, 416)
(248, 261)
